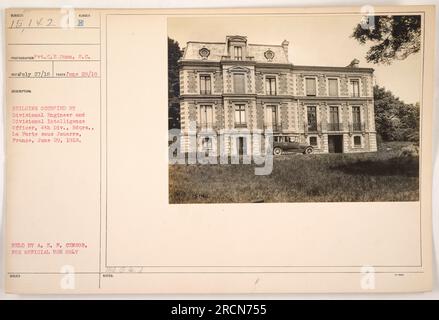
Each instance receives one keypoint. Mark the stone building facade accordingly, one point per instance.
(239, 88)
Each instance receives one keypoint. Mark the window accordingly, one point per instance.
(310, 86)
(333, 119)
(333, 87)
(206, 116)
(293, 139)
(239, 83)
(240, 120)
(270, 86)
(238, 53)
(355, 88)
(207, 143)
(356, 118)
(357, 141)
(312, 118)
(205, 84)
(313, 141)
(271, 117)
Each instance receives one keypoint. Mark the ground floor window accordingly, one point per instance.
(313, 141)
(207, 143)
(241, 146)
(357, 141)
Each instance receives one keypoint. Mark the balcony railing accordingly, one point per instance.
(240, 125)
(276, 127)
(357, 127)
(229, 58)
(334, 126)
(312, 127)
(205, 126)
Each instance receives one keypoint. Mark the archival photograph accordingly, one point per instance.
(294, 108)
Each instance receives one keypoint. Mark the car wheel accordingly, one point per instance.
(277, 151)
(308, 150)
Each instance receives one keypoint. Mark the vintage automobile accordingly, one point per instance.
(283, 144)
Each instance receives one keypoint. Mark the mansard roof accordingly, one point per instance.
(267, 56)
(217, 50)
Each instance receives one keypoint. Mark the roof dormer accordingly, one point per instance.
(236, 47)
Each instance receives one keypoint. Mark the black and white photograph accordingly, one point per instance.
(294, 108)
(300, 161)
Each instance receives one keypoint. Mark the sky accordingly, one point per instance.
(319, 40)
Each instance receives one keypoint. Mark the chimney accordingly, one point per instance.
(285, 44)
(354, 63)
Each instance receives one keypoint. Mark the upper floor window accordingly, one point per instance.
(238, 52)
(205, 84)
(333, 124)
(310, 86)
(312, 118)
(356, 114)
(239, 83)
(240, 119)
(356, 118)
(270, 86)
(333, 87)
(270, 116)
(355, 88)
(206, 116)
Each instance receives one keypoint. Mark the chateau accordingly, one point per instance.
(239, 88)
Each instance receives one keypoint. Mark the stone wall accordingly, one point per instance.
(321, 85)
(218, 82)
(283, 84)
(259, 83)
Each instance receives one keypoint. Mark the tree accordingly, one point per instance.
(394, 37)
(409, 125)
(395, 120)
(174, 54)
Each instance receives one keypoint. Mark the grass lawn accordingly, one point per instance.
(380, 176)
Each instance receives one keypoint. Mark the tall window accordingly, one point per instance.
(270, 86)
(206, 116)
(205, 84)
(333, 87)
(355, 88)
(239, 83)
(312, 118)
(238, 53)
(207, 143)
(356, 118)
(333, 119)
(310, 86)
(240, 120)
(271, 117)
(357, 141)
